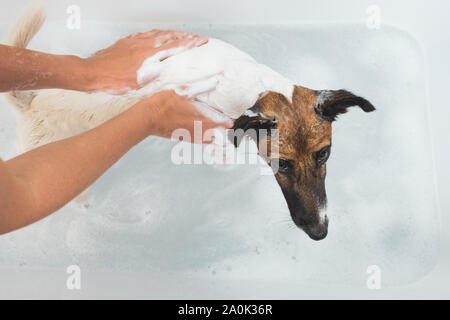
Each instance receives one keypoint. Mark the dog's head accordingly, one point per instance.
(300, 150)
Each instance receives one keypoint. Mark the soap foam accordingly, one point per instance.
(240, 79)
(152, 66)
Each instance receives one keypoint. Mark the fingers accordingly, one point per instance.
(212, 117)
(200, 111)
(161, 38)
(162, 35)
(178, 46)
(202, 121)
(165, 44)
(212, 133)
(173, 48)
(188, 42)
(165, 37)
(144, 35)
(199, 87)
(207, 133)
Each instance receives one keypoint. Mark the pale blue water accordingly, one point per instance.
(150, 216)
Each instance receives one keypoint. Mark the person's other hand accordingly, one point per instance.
(168, 111)
(115, 68)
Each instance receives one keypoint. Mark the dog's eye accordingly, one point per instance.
(322, 155)
(284, 166)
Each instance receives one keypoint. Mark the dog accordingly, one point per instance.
(252, 94)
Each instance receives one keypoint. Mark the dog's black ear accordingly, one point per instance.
(250, 124)
(331, 103)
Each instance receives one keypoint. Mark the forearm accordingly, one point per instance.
(43, 180)
(23, 69)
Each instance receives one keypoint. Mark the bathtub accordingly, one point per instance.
(151, 229)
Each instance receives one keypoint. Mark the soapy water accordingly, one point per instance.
(213, 222)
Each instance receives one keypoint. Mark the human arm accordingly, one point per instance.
(113, 68)
(39, 182)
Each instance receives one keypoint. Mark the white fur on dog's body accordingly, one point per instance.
(49, 115)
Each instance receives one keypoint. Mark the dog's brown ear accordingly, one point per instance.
(331, 103)
(249, 124)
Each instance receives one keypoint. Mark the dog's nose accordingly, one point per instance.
(317, 232)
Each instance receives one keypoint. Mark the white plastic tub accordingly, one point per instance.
(151, 229)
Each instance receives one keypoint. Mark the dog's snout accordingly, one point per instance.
(318, 231)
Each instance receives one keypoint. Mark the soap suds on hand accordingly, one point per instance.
(197, 88)
(237, 78)
(152, 66)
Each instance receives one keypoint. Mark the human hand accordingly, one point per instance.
(168, 111)
(115, 68)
